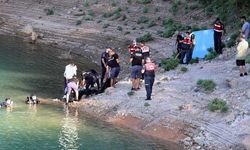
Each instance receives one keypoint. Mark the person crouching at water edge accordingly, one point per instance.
(136, 61)
(241, 55)
(72, 85)
(149, 76)
(113, 67)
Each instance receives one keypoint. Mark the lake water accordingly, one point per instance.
(26, 69)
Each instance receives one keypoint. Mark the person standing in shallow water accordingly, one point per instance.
(218, 33)
(113, 67)
(241, 55)
(104, 59)
(149, 76)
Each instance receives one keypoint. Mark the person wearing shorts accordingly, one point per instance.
(113, 67)
(136, 61)
(241, 55)
(72, 85)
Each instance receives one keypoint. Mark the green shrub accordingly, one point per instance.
(248, 59)
(170, 27)
(218, 104)
(151, 24)
(88, 18)
(146, 104)
(211, 54)
(117, 15)
(107, 14)
(131, 93)
(119, 28)
(233, 39)
(85, 3)
(142, 19)
(174, 6)
(127, 32)
(184, 69)
(169, 63)
(106, 25)
(145, 10)
(49, 11)
(143, 1)
(207, 85)
(91, 13)
(194, 60)
(145, 38)
(129, 1)
(78, 22)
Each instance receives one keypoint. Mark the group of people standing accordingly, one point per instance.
(142, 67)
(185, 46)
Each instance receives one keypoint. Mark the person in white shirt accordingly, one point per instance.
(69, 73)
(241, 55)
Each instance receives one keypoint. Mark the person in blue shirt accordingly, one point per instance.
(245, 27)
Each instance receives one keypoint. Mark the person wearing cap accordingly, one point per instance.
(187, 45)
(241, 55)
(149, 76)
(218, 33)
(245, 27)
(104, 59)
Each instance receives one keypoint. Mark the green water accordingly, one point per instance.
(26, 69)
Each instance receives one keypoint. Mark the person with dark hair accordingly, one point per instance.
(113, 67)
(218, 33)
(178, 44)
(149, 75)
(245, 27)
(241, 55)
(145, 50)
(192, 38)
(104, 59)
(187, 45)
(136, 61)
(132, 47)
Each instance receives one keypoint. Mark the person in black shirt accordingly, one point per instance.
(113, 67)
(104, 59)
(179, 44)
(137, 61)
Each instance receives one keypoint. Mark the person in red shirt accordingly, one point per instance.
(218, 33)
(149, 76)
(132, 48)
(187, 46)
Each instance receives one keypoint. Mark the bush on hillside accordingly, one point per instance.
(169, 63)
(170, 27)
(211, 54)
(207, 85)
(184, 69)
(143, 1)
(233, 39)
(142, 19)
(218, 104)
(49, 11)
(194, 60)
(145, 38)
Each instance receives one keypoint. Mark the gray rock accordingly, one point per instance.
(232, 83)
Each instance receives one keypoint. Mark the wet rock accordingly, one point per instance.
(28, 29)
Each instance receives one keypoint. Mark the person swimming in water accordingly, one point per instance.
(7, 103)
(32, 99)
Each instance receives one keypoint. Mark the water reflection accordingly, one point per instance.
(68, 137)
